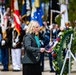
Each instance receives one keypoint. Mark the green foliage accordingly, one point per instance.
(73, 48)
(58, 19)
(72, 11)
(45, 1)
(59, 49)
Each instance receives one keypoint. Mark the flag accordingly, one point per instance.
(16, 17)
(40, 14)
(37, 13)
(12, 5)
(37, 3)
(23, 12)
(3, 25)
(28, 8)
(34, 10)
(3, 6)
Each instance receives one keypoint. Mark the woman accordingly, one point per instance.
(31, 59)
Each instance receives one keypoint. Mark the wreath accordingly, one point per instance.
(59, 53)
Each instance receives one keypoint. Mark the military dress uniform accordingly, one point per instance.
(45, 37)
(16, 50)
(4, 54)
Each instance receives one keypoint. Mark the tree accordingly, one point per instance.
(72, 12)
(45, 1)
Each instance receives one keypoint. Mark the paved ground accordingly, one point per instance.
(46, 70)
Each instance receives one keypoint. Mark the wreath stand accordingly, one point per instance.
(68, 55)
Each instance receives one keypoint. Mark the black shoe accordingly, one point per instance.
(16, 70)
(52, 71)
(42, 70)
(4, 70)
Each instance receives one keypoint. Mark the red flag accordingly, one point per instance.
(16, 16)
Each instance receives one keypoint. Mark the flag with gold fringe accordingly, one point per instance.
(28, 8)
(37, 12)
(37, 3)
(23, 11)
(16, 15)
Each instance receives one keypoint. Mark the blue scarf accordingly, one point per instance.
(37, 41)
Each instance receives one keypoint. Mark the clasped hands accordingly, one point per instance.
(44, 50)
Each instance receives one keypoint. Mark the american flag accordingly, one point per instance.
(16, 16)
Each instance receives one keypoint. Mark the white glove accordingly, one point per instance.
(3, 42)
(14, 44)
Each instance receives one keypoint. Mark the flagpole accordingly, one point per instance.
(51, 18)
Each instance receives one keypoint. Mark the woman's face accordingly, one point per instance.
(36, 28)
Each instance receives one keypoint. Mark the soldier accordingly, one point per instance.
(16, 50)
(4, 42)
(45, 38)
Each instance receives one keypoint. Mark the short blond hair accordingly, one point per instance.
(31, 26)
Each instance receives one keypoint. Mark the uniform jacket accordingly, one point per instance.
(32, 52)
(20, 38)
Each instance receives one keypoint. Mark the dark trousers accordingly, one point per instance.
(42, 61)
(0, 55)
(50, 61)
(4, 54)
